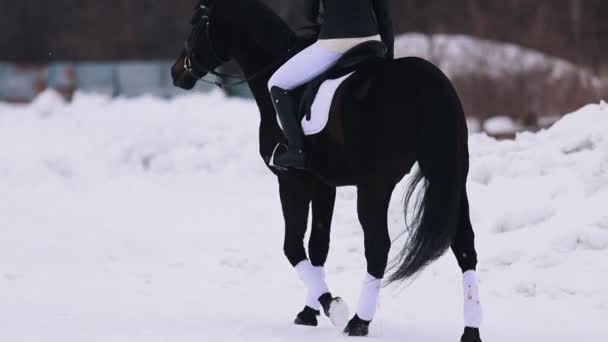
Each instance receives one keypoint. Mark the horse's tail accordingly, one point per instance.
(443, 161)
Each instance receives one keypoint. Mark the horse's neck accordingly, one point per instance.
(262, 37)
(251, 62)
(261, 49)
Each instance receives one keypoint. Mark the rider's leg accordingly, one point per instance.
(302, 68)
(286, 107)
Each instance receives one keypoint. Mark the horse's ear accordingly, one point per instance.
(201, 10)
(203, 3)
(200, 3)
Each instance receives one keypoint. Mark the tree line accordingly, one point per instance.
(34, 31)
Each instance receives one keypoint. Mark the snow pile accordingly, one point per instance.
(96, 137)
(464, 55)
(541, 203)
(500, 125)
(154, 220)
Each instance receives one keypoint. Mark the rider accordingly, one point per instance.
(345, 24)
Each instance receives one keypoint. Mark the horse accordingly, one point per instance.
(384, 119)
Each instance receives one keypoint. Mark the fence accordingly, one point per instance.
(21, 83)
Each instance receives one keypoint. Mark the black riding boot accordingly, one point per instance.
(286, 108)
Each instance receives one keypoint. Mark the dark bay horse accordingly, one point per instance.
(384, 119)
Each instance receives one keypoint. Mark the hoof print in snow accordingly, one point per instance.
(602, 223)
(527, 289)
(10, 277)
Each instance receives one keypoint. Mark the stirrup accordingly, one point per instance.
(271, 161)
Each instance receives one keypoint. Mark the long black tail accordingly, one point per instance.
(443, 161)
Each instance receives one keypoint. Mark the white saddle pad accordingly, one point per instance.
(321, 106)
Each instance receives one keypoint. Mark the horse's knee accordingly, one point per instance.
(294, 251)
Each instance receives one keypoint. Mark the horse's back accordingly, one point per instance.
(384, 106)
(408, 77)
(394, 94)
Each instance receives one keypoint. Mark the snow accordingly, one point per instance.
(155, 220)
(500, 125)
(465, 55)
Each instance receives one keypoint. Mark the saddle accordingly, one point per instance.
(362, 55)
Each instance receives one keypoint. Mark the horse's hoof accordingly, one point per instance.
(470, 335)
(307, 317)
(357, 327)
(335, 309)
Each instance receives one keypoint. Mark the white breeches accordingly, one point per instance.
(342, 45)
(313, 61)
(304, 67)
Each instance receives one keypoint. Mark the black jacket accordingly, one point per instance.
(353, 19)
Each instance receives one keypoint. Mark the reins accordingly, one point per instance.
(222, 76)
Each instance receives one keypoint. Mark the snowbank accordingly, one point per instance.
(501, 79)
(154, 220)
(466, 55)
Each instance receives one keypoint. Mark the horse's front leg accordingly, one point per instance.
(297, 192)
(323, 201)
(373, 197)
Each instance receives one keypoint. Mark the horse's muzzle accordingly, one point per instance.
(181, 77)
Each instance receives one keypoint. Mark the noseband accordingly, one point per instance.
(201, 37)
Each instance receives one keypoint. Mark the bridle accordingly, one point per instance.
(201, 36)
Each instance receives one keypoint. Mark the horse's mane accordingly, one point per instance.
(260, 23)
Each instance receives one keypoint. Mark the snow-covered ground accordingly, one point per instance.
(152, 220)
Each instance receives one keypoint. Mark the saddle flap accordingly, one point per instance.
(364, 54)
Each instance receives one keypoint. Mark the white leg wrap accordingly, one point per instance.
(368, 301)
(472, 306)
(314, 280)
(312, 301)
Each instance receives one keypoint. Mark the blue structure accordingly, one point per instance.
(115, 79)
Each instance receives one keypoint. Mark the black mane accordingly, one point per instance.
(260, 23)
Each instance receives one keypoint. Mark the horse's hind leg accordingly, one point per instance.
(464, 250)
(372, 207)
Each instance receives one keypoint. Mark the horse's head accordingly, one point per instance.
(203, 51)
(245, 30)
